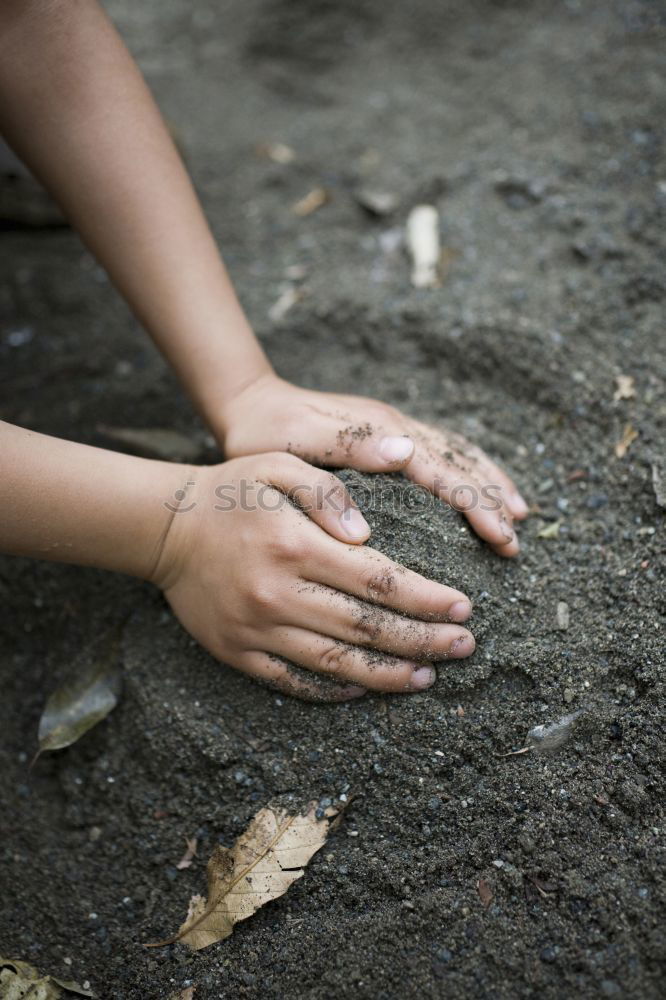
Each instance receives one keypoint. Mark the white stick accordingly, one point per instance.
(423, 245)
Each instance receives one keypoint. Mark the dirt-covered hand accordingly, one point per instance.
(337, 431)
(263, 564)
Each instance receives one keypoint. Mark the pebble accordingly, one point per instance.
(548, 954)
(568, 696)
(562, 615)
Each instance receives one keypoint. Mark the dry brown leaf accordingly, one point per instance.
(265, 860)
(189, 854)
(311, 202)
(20, 979)
(629, 435)
(485, 892)
(626, 387)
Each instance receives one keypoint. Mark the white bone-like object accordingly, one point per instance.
(423, 245)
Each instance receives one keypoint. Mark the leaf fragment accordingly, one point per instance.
(626, 387)
(265, 860)
(551, 737)
(629, 435)
(659, 483)
(278, 152)
(285, 301)
(551, 530)
(87, 698)
(311, 202)
(20, 979)
(485, 893)
(186, 994)
(154, 442)
(190, 853)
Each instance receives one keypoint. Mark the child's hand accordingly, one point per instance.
(259, 582)
(339, 431)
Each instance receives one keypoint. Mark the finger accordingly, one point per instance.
(366, 573)
(318, 494)
(355, 621)
(351, 664)
(280, 675)
(491, 475)
(341, 440)
(464, 493)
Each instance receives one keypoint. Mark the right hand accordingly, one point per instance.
(263, 585)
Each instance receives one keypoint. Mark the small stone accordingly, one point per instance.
(548, 954)
(443, 955)
(568, 695)
(609, 988)
(434, 804)
(562, 615)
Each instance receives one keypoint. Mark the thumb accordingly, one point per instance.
(320, 495)
(356, 446)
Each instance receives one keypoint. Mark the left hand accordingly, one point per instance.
(337, 431)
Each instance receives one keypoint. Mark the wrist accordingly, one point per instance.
(247, 394)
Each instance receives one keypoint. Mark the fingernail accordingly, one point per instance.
(424, 677)
(354, 524)
(395, 449)
(460, 611)
(462, 646)
(518, 505)
(506, 530)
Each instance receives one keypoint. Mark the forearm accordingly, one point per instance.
(76, 109)
(68, 502)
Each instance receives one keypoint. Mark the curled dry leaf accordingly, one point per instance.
(186, 860)
(20, 979)
(265, 860)
(422, 235)
(87, 698)
(629, 435)
(154, 442)
(626, 388)
(311, 202)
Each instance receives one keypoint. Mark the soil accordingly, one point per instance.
(457, 871)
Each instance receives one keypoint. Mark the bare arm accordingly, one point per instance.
(75, 107)
(69, 502)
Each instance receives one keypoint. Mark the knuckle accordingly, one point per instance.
(263, 599)
(366, 628)
(333, 659)
(286, 547)
(380, 585)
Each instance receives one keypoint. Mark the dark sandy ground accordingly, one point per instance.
(536, 129)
